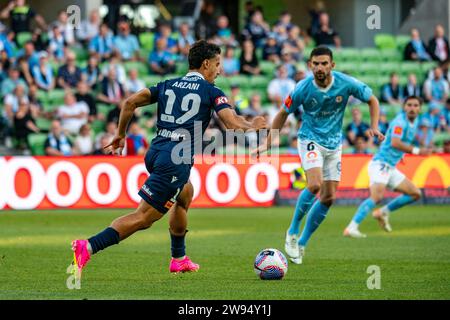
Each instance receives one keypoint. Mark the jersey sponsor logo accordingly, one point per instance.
(173, 135)
(398, 130)
(311, 155)
(221, 100)
(288, 102)
(168, 204)
(146, 190)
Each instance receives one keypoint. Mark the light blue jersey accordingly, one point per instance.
(401, 128)
(324, 107)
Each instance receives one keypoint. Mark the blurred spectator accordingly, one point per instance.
(224, 36)
(113, 115)
(84, 144)
(39, 40)
(165, 31)
(205, 26)
(112, 91)
(446, 147)
(161, 60)
(325, 34)
(425, 133)
(185, 40)
(12, 102)
(446, 114)
(23, 125)
(43, 74)
(27, 58)
(110, 132)
(102, 44)
(315, 12)
(6, 45)
(89, 28)
(104, 140)
(36, 107)
(21, 15)
(57, 143)
(412, 88)
(254, 107)
(126, 43)
(357, 128)
(294, 43)
(416, 49)
(361, 146)
(293, 149)
(439, 46)
(280, 87)
(230, 63)
(271, 50)
(285, 21)
(65, 27)
(72, 114)
(10, 83)
(115, 63)
(136, 144)
(391, 92)
(257, 30)
(92, 73)
(133, 84)
(249, 8)
(288, 62)
(436, 90)
(57, 44)
(383, 125)
(248, 61)
(69, 74)
(83, 94)
(237, 99)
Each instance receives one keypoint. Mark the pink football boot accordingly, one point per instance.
(81, 256)
(185, 265)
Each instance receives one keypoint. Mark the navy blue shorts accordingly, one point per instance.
(166, 180)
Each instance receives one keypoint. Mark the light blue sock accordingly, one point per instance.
(399, 202)
(315, 217)
(363, 210)
(304, 203)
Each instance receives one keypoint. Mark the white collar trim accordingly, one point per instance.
(195, 74)
(324, 89)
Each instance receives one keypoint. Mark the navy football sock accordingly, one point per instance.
(104, 239)
(178, 247)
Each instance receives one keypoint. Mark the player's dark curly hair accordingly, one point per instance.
(200, 51)
(322, 51)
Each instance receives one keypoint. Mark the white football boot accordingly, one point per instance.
(354, 233)
(383, 220)
(291, 246)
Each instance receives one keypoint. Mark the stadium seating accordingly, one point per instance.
(37, 142)
(385, 41)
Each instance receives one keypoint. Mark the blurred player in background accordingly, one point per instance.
(324, 98)
(183, 103)
(383, 173)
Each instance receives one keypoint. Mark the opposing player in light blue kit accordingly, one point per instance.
(324, 98)
(383, 173)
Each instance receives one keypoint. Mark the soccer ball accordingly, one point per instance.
(271, 264)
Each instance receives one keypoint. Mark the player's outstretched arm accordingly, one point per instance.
(274, 133)
(139, 99)
(398, 144)
(374, 106)
(232, 121)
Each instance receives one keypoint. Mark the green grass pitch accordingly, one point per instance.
(414, 260)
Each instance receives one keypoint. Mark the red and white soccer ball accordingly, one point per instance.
(271, 264)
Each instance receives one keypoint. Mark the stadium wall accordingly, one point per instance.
(113, 182)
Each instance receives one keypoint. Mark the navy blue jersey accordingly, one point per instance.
(185, 104)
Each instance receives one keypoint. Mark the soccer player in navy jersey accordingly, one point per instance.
(184, 105)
